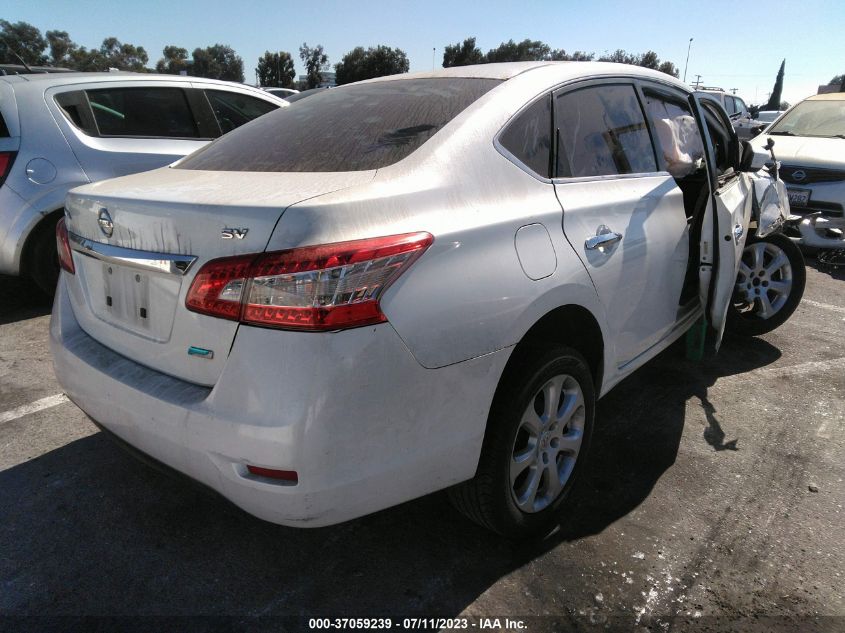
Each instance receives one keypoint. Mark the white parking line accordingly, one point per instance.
(823, 306)
(33, 407)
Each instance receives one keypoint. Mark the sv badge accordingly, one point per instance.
(231, 234)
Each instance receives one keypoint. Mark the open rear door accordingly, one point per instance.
(725, 223)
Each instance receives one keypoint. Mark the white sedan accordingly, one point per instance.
(408, 284)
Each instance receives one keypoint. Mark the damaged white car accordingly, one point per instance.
(414, 283)
(811, 144)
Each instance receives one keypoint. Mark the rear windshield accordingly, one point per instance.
(354, 128)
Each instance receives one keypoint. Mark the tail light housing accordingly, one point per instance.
(63, 246)
(313, 288)
(6, 160)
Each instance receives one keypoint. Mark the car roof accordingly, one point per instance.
(560, 70)
(46, 80)
(830, 96)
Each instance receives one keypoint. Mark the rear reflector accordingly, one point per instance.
(272, 473)
(314, 288)
(63, 246)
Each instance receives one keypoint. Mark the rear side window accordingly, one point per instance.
(602, 132)
(4, 131)
(233, 109)
(528, 137)
(151, 112)
(354, 128)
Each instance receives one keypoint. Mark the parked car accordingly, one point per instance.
(60, 130)
(281, 93)
(811, 145)
(407, 284)
(741, 118)
(764, 119)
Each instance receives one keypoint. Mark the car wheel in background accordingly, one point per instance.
(769, 285)
(43, 257)
(538, 434)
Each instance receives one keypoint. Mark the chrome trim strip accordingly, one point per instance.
(145, 260)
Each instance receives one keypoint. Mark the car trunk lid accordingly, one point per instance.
(139, 240)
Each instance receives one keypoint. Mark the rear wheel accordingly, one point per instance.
(43, 257)
(769, 285)
(537, 437)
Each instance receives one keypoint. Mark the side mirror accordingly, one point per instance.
(751, 160)
(755, 131)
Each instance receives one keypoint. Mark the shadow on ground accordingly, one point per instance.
(21, 299)
(87, 530)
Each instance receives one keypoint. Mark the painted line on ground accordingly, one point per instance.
(33, 407)
(823, 306)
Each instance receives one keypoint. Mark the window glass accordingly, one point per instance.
(740, 104)
(602, 132)
(813, 118)
(158, 112)
(720, 136)
(677, 136)
(75, 106)
(233, 109)
(351, 128)
(528, 138)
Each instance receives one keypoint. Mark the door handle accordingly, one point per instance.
(604, 237)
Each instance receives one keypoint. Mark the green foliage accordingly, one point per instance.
(61, 47)
(25, 40)
(775, 98)
(462, 54)
(668, 68)
(174, 60)
(524, 51)
(649, 59)
(124, 56)
(217, 62)
(276, 70)
(560, 55)
(359, 64)
(315, 60)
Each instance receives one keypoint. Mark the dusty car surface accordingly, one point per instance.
(61, 130)
(403, 285)
(811, 145)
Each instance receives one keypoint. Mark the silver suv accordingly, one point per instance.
(58, 131)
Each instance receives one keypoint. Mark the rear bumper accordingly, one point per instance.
(361, 422)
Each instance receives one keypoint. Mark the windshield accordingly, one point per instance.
(813, 118)
(353, 128)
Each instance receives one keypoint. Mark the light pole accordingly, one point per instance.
(689, 46)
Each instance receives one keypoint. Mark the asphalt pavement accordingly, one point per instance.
(712, 501)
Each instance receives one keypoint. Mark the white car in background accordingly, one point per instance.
(411, 283)
(810, 141)
(61, 130)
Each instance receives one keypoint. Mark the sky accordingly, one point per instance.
(735, 44)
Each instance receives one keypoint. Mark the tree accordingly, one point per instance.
(174, 60)
(276, 69)
(315, 60)
(124, 56)
(359, 64)
(462, 54)
(839, 82)
(525, 51)
(218, 62)
(86, 60)
(25, 40)
(61, 47)
(560, 55)
(619, 57)
(775, 98)
(668, 68)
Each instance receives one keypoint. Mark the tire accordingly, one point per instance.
(769, 285)
(43, 257)
(517, 439)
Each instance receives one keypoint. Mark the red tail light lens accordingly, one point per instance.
(315, 288)
(6, 160)
(63, 246)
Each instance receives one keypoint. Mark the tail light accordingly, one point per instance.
(6, 160)
(314, 288)
(63, 246)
